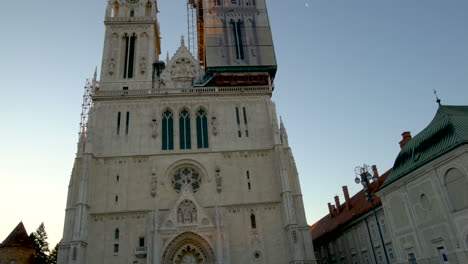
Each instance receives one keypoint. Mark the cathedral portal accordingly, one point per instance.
(188, 248)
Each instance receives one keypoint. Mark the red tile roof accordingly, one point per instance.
(343, 215)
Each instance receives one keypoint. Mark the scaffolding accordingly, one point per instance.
(210, 32)
(90, 86)
(192, 38)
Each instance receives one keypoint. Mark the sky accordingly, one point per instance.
(353, 75)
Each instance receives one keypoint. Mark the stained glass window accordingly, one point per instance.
(167, 130)
(184, 129)
(186, 177)
(202, 129)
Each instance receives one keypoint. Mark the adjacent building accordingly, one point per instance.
(425, 197)
(183, 160)
(349, 234)
(17, 248)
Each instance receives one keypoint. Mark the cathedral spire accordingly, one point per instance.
(283, 133)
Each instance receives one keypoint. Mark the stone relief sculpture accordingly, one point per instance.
(154, 124)
(187, 213)
(142, 65)
(154, 183)
(214, 125)
(219, 186)
(111, 66)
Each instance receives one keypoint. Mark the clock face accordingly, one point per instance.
(132, 1)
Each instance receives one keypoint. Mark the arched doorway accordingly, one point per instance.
(188, 248)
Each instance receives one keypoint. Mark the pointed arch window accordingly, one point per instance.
(253, 221)
(148, 9)
(184, 129)
(129, 59)
(115, 9)
(117, 233)
(202, 128)
(238, 41)
(167, 130)
(456, 186)
(132, 13)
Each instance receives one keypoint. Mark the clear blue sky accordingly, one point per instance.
(353, 75)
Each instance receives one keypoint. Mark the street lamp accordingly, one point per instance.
(364, 177)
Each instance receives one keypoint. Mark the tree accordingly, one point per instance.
(53, 255)
(41, 245)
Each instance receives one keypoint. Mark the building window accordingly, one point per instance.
(382, 225)
(379, 255)
(253, 221)
(184, 129)
(132, 13)
(456, 186)
(116, 234)
(119, 115)
(245, 115)
(186, 176)
(116, 248)
(249, 186)
(141, 241)
(148, 9)
(237, 115)
(374, 235)
(116, 198)
(390, 253)
(129, 56)
(74, 253)
(238, 42)
(167, 130)
(412, 258)
(202, 129)
(127, 123)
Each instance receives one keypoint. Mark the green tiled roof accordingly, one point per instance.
(448, 130)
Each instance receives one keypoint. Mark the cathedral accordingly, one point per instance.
(182, 160)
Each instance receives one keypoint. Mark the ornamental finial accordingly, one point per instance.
(437, 97)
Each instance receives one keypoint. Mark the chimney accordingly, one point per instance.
(406, 138)
(375, 171)
(330, 209)
(337, 203)
(346, 196)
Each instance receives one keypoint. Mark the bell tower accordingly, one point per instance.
(132, 45)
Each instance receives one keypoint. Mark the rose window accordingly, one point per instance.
(186, 177)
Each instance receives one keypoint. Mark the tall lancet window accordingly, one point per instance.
(167, 130)
(202, 129)
(129, 59)
(184, 129)
(238, 41)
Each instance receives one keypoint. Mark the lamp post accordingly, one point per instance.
(364, 176)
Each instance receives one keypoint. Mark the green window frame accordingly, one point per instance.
(202, 128)
(167, 130)
(184, 129)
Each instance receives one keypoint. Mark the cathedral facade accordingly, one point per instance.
(184, 160)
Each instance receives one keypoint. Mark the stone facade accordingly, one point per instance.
(171, 173)
(17, 248)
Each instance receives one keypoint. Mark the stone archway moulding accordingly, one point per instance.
(188, 248)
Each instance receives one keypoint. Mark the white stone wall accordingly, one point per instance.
(421, 218)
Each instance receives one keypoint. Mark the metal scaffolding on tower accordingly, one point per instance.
(192, 38)
(90, 87)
